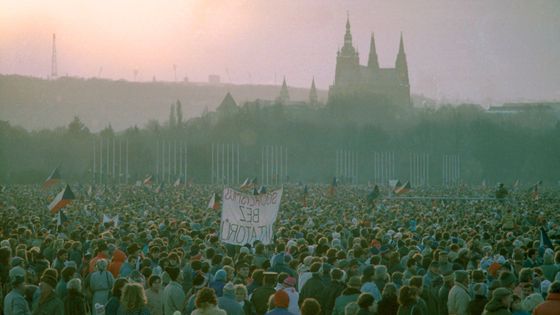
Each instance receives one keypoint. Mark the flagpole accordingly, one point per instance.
(108, 163)
(113, 175)
(100, 160)
(262, 164)
(186, 161)
(120, 161)
(427, 169)
(232, 151)
(238, 163)
(175, 159)
(126, 177)
(228, 162)
(286, 161)
(180, 158)
(280, 165)
(169, 161)
(157, 161)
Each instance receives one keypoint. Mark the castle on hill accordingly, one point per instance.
(371, 81)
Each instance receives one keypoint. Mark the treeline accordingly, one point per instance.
(492, 147)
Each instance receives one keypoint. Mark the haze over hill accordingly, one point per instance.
(37, 103)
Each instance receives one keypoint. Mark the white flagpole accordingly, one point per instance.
(126, 177)
(212, 164)
(186, 161)
(113, 174)
(223, 163)
(227, 163)
(180, 159)
(120, 160)
(101, 160)
(286, 165)
(174, 159)
(267, 164)
(262, 165)
(238, 163)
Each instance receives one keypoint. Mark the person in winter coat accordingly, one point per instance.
(206, 303)
(261, 295)
(220, 279)
(281, 301)
(552, 304)
(350, 294)
(112, 306)
(100, 283)
(288, 286)
(367, 305)
(154, 294)
(548, 267)
(368, 284)
(133, 300)
(227, 301)
(499, 303)
(119, 257)
(314, 287)
(75, 302)
(174, 298)
(476, 306)
(241, 298)
(333, 290)
(310, 307)
(389, 304)
(14, 302)
(49, 303)
(408, 301)
(459, 297)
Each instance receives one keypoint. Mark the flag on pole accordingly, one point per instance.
(148, 180)
(262, 190)
(62, 199)
(394, 184)
(109, 219)
(332, 187)
(159, 188)
(516, 183)
(544, 240)
(246, 183)
(177, 182)
(535, 192)
(305, 193)
(61, 218)
(374, 194)
(90, 191)
(215, 202)
(53, 178)
(403, 189)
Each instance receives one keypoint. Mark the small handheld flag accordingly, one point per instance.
(177, 182)
(214, 202)
(262, 190)
(246, 183)
(148, 180)
(159, 188)
(403, 189)
(62, 199)
(53, 178)
(544, 240)
(61, 218)
(332, 187)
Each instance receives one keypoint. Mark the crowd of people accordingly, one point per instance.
(334, 253)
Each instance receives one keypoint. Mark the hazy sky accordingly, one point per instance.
(480, 50)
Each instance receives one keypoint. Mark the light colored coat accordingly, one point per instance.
(211, 310)
(173, 298)
(458, 300)
(15, 304)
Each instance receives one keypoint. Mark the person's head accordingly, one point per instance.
(310, 306)
(503, 296)
(205, 298)
(243, 270)
(532, 301)
(101, 265)
(258, 275)
(74, 285)
(118, 286)
(240, 292)
(133, 297)
(389, 290)
(407, 295)
(173, 272)
(366, 301)
(480, 289)
(154, 282)
(554, 287)
(351, 308)
(516, 303)
(48, 283)
(416, 281)
(62, 254)
(461, 276)
(67, 273)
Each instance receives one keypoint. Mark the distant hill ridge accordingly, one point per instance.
(36, 103)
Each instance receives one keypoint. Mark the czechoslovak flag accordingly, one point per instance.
(53, 178)
(62, 199)
(214, 202)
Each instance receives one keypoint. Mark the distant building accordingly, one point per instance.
(514, 108)
(214, 79)
(371, 81)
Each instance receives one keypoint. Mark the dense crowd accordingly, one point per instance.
(333, 253)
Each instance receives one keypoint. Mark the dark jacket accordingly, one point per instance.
(74, 303)
(476, 306)
(388, 305)
(348, 295)
(51, 306)
(495, 307)
(333, 290)
(313, 288)
(260, 299)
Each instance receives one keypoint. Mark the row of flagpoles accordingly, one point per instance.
(274, 164)
(171, 161)
(451, 170)
(347, 166)
(419, 169)
(224, 164)
(110, 166)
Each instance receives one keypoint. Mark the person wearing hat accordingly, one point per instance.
(459, 297)
(288, 286)
(14, 302)
(500, 302)
(350, 294)
(49, 303)
(227, 301)
(281, 302)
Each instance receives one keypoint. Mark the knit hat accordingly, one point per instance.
(281, 299)
(500, 293)
(221, 275)
(50, 280)
(290, 281)
(354, 282)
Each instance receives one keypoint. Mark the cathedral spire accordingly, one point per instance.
(348, 34)
(372, 61)
(313, 93)
(284, 94)
(401, 65)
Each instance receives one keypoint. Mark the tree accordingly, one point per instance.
(172, 119)
(76, 127)
(179, 109)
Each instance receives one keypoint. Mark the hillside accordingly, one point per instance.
(35, 103)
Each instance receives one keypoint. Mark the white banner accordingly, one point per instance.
(247, 218)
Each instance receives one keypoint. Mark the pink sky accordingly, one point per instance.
(485, 51)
